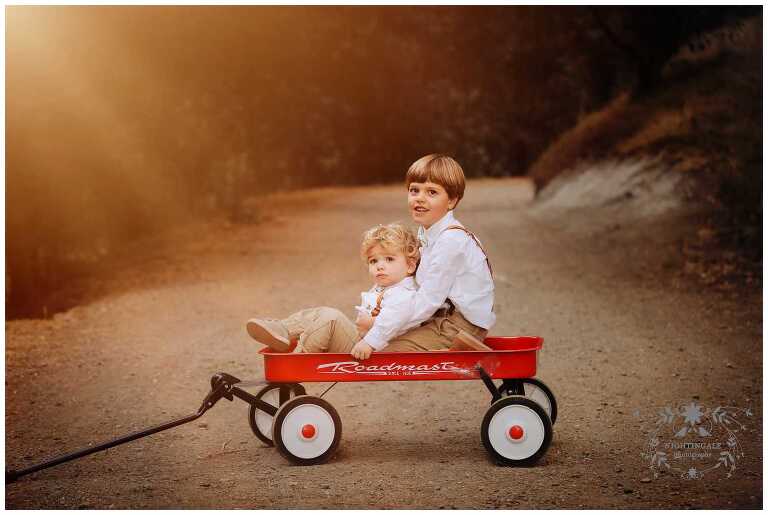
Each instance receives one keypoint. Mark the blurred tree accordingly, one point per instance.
(649, 36)
(139, 117)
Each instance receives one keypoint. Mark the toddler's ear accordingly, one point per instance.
(412, 264)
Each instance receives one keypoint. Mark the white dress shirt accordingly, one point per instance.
(452, 267)
(396, 310)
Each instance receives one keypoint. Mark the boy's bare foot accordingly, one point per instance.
(271, 333)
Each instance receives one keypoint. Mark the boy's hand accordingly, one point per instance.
(364, 321)
(361, 350)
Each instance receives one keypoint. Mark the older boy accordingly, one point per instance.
(454, 276)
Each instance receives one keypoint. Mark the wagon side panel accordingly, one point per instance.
(398, 366)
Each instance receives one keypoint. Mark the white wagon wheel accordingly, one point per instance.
(307, 430)
(516, 431)
(535, 390)
(261, 421)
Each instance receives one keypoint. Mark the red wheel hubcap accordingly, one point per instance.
(515, 432)
(308, 431)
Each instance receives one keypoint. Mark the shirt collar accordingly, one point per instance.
(426, 237)
(407, 282)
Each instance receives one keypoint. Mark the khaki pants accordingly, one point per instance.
(326, 329)
(436, 334)
(322, 330)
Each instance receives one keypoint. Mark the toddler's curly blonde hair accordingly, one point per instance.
(394, 237)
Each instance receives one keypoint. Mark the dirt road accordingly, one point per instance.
(624, 337)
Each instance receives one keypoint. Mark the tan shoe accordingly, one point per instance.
(465, 341)
(271, 333)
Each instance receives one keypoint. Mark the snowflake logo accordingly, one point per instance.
(692, 413)
(706, 430)
(692, 473)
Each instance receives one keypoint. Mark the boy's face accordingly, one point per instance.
(388, 267)
(428, 202)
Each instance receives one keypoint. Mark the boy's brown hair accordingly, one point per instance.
(394, 237)
(440, 169)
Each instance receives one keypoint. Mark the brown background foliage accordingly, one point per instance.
(124, 120)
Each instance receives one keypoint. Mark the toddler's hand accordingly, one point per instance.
(364, 321)
(361, 350)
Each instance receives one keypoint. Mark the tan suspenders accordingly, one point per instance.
(375, 311)
(487, 261)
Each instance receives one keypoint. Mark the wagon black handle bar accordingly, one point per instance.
(222, 386)
(13, 475)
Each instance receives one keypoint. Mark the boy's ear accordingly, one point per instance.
(452, 203)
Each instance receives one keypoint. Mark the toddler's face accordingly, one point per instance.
(388, 267)
(428, 203)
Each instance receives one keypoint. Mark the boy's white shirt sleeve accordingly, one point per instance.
(437, 279)
(396, 309)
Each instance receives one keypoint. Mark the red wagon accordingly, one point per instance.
(516, 429)
(306, 429)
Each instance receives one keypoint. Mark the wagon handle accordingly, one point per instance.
(221, 387)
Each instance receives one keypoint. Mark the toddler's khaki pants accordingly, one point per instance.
(327, 329)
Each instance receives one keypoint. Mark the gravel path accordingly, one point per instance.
(624, 337)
